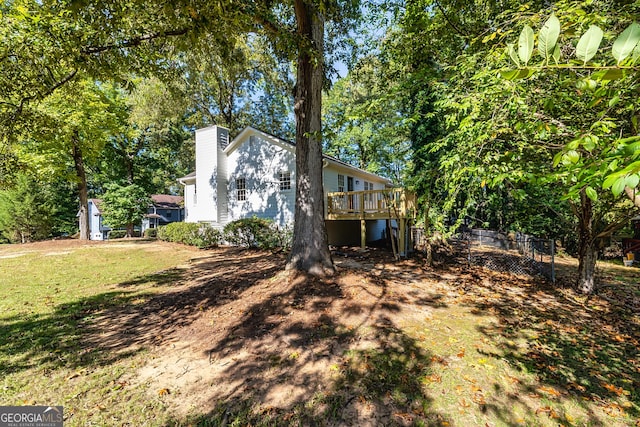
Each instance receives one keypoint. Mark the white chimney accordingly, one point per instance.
(209, 160)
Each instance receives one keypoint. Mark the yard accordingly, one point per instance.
(136, 333)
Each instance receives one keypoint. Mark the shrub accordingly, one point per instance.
(151, 233)
(190, 233)
(257, 233)
(116, 234)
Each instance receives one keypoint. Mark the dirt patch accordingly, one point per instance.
(242, 328)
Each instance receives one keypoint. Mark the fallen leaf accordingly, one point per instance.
(460, 353)
(463, 402)
(478, 398)
(549, 390)
(513, 380)
(469, 379)
(619, 338)
(614, 410)
(435, 378)
(612, 388)
(163, 392)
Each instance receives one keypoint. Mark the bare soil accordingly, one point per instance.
(234, 326)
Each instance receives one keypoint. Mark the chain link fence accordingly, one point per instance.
(516, 253)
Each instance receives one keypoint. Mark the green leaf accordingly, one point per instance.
(525, 44)
(591, 193)
(573, 156)
(609, 74)
(609, 181)
(632, 181)
(548, 37)
(588, 44)
(511, 50)
(618, 186)
(626, 42)
(613, 101)
(524, 73)
(556, 54)
(589, 143)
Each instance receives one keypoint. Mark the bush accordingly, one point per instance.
(190, 233)
(257, 233)
(116, 234)
(151, 233)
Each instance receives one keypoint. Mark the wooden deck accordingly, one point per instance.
(395, 203)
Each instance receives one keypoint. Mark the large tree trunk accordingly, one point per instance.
(310, 249)
(587, 249)
(81, 176)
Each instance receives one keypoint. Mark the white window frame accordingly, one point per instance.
(341, 183)
(241, 189)
(284, 180)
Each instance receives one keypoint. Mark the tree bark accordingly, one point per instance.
(633, 195)
(310, 250)
(83, 218)
(587, 249)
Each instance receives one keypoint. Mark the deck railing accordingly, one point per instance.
(371, 204)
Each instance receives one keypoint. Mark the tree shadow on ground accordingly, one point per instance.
(586, 349)
(311, 354)
(104, 328)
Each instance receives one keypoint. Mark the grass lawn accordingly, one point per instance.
(144, 333)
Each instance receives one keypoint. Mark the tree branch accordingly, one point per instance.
(450, 22)
(136, 41)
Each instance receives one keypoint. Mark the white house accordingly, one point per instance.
(97, 230)
(254, 175)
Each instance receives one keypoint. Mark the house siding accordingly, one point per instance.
(259, 162)
(258, 158)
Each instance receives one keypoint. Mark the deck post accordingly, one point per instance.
(363, 234)
(402, 241)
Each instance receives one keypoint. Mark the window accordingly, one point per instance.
(340, 182)
(168, 214)
(285, 180)
(368, 186)
(241, 189)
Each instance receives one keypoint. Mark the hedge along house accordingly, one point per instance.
(254, 175)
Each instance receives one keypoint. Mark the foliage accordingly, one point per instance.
(257, 233)
(117, 234)
(364, 126)
(189, 233)
(151, 233)
(124, 206)
(616, 163)
(26, 213)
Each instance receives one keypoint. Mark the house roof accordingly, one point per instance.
(188, 177)
(291, 145)
(167, 201)
(97, 203)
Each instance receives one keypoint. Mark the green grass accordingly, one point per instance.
(48, 351)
